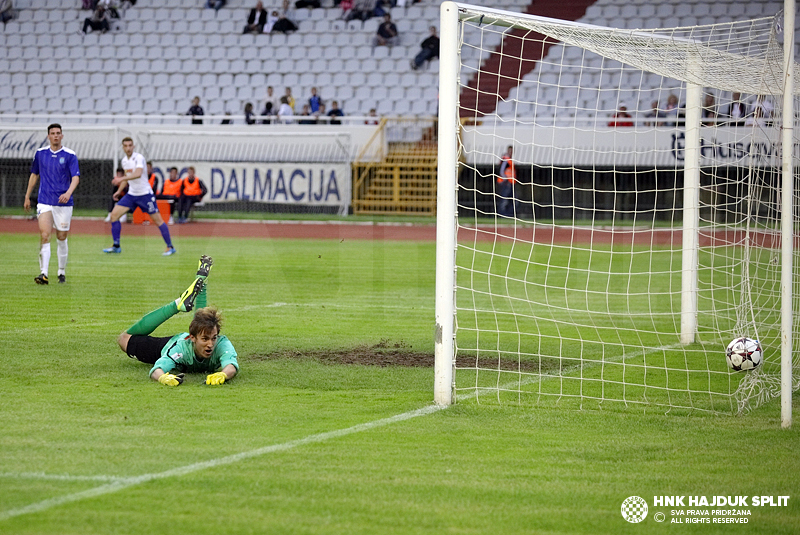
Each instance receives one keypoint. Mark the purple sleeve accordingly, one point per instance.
(35, 164)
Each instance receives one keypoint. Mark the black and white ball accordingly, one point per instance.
(744, 354)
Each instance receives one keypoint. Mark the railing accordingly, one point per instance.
(403, 180)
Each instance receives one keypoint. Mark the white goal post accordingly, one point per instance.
(649, 217)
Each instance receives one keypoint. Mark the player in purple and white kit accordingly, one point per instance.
(59, 170)
(139, 194)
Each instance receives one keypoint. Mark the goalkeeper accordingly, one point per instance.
(202, 349)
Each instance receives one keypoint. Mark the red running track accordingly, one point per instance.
(323, 230)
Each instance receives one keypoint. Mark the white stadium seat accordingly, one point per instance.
(183, 48)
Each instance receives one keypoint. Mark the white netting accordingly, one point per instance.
(572, 288)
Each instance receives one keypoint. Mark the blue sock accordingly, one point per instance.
(165, 234)
(116, 230)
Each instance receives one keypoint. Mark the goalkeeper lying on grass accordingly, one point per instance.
(202, 349)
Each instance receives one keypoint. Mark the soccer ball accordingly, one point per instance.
(744, 354)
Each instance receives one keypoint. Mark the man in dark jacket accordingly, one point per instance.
(256, 20)
(430, 50)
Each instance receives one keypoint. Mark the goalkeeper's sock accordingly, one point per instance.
(151, 321)
(202, 299)
(44, 258)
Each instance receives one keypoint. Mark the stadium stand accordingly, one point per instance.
(159, 54)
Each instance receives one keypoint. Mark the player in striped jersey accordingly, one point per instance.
(58, 168)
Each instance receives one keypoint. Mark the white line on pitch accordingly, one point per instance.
(58, 477)
(124, 483)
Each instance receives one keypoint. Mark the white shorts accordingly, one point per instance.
(62, 215)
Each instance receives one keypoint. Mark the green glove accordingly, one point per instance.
(216, 378)
(171, 380)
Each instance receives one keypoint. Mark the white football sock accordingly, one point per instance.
(44, 258)
(62, 251)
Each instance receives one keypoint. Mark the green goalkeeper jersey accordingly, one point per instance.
(179, 354)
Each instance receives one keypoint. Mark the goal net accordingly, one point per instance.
(635, 228)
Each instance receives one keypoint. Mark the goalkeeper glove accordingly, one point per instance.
(216, 378)
(170, 379)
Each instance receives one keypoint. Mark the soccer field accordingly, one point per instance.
(310, 437)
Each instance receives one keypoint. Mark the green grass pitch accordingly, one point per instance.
(301, 446)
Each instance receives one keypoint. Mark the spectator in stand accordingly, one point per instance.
(766, 107)
(196, 111)
(256, 20)
(249, 115)
(762, 113)
(307, 3)
(270, 108)
(335, 112)
(320, 117)
(289, 98)
(152, 178)
(98, 21)
(347, 7)
(621, 117)
(172, 190)
(306, 112)
(372, 113)
(430, 50)
(272, 18)
(654, 114)
(288, 11)
(193, 192)
(216, 5)
(387, 33)
(672, 110)
(737, 110)
(5, 11)
(709, 110)
(314, 101)
(362, 10)
(284, 24)
(285, 112)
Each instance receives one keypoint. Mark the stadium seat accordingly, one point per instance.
(307, 79)
(167, 107)
(113, 65)
(119, 106)
(160, 79)
(227, 92)
(148, 92)
(291, 79)
(358, 79)
(150, 106)
(333, 52)
(413, 94)
(180, 27)
(7, 105)
(323, 79)
(369, 65)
